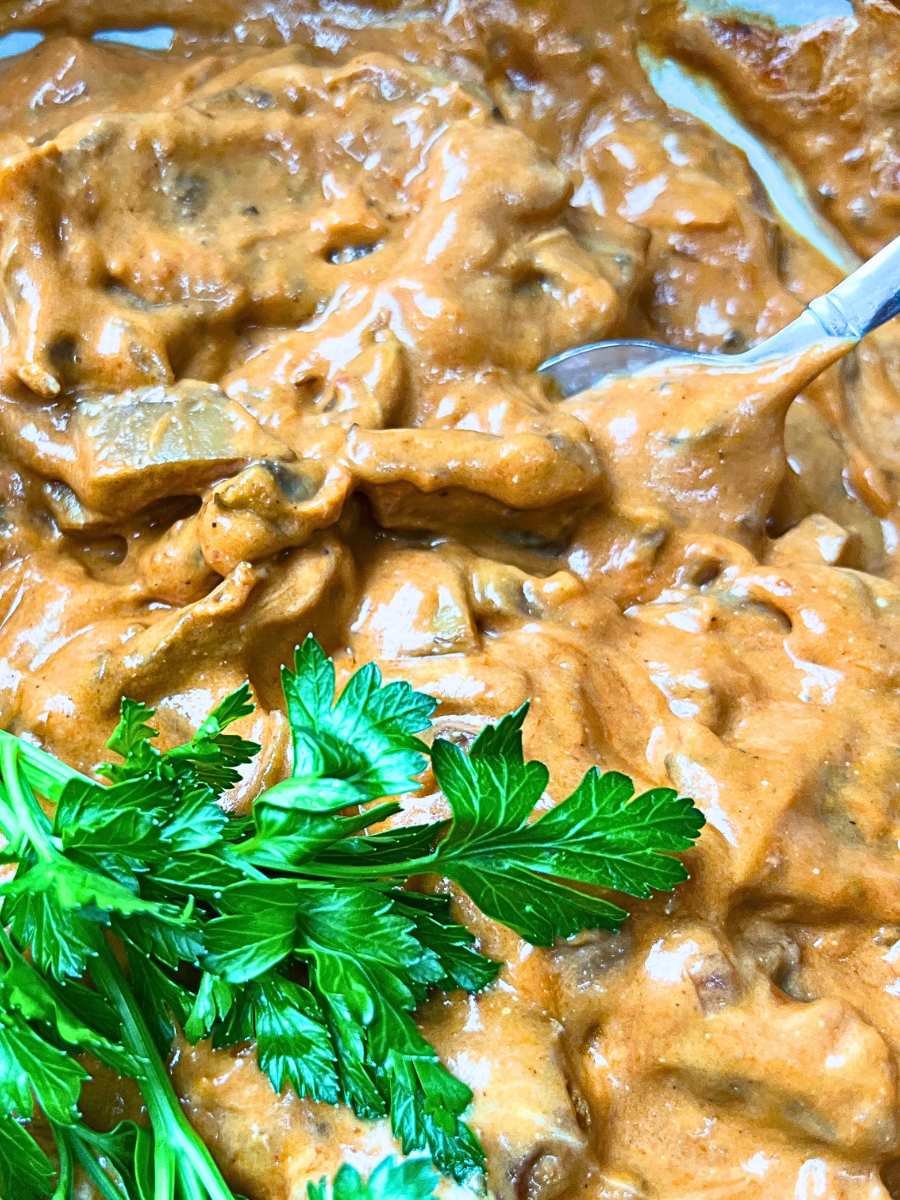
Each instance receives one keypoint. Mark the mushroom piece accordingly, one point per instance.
(150, 442)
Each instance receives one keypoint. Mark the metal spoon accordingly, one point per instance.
(860, 303)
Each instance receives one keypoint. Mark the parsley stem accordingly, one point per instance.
(47, 774)
(363, 873)
(65, 1182)
(28, 812)
(6, 945)
(71, 1147)
(174, 1135)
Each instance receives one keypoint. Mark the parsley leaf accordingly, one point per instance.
(51, 933)
(131, 739)
(25, 991)
(288, 833)
(410, 1179)
(258, 932)
(72, 887)
(212, 757)
(366, 737)
(118, 1164)
(293, 1042)
(520, 871)
(25, 1170)
(293, 928)
(38, 1034)
(368, 970)
(462, 966)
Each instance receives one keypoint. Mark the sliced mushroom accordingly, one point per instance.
(147, 443)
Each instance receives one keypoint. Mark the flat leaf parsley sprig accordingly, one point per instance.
(140, 907)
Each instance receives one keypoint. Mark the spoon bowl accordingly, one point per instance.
(863, 301)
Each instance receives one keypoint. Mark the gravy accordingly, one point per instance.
(271, 306)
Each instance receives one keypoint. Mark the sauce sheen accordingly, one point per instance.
(271, 306)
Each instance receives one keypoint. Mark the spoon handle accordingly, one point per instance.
(865, 299)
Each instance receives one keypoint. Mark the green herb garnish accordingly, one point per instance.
(411, 1179)
(140, 907)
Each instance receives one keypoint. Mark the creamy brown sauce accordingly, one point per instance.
(271, 307)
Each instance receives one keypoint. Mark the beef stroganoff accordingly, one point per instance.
(272, 303)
